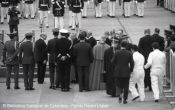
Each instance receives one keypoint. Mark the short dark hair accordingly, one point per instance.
(155, 45)
(147, 31)
(81, 36)
(157, 30)
(28, 36)
(124, 44)
(134, 47)
(55, 33)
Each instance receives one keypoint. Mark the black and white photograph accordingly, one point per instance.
(87, 55)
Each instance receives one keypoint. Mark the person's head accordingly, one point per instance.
(155, 45)
(124, 44)
(13, 36)
(134, 48)
(147, 32)
(43, 36)
(29, 36)
(103, 39)
(64, 33)
(89, 34)
(156, 30)
(55, 32)
(81, 36)
(115, 42)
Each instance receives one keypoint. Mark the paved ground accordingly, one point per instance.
(45, 99)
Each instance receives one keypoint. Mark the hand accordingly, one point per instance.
(45, 61)
(48, 12)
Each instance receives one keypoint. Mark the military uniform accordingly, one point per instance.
(112, 4)
(58, 12)
(127, 8)
(77, 6)
(134, 7)
(29, 8)
(44, 6)
(10, 58)
(98, 9)
(4, 10)
(63, 56)
(70, 13)
(140, 8)
(84, 12)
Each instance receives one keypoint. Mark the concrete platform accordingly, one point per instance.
(44, 98)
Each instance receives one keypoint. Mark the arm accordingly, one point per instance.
(4, 54)
(149, 62)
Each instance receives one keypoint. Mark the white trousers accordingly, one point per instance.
(84, 12)
(70, 18)
(29, 10)
(43, 18)
(76, 20)
(137, 78)
(140, 8)
(98, 12)
(157, 82)
(59, 22)
(127, 9)
(112, 8)
(4, 13)
(133, 8)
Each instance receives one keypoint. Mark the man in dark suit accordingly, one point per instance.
(90, 39)
(63, 56)
(26, 58)
(83, 55)
(123, 62)
(51, 51)
(145, 48)
(157, 38)
(40, 54)
(10, 58)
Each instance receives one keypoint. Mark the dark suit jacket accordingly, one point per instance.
(92, 41)
(83, 54)
(123, 62)
(40, 52)
(51, 49)
(10, 54)
(145, 46)
(26, 55)
(160, 40)
(63, 48)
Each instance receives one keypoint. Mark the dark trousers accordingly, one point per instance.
(64, 74)
(41, 72)
(14, 28)
(58, 79)
(123, 84)
(52, 67)
(28, 71)
(83, 77)
(147, 79)
(9, 69)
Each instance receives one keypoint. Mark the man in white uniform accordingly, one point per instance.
(137, 77)
(157, 62)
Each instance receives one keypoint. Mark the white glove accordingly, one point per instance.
(49, 12)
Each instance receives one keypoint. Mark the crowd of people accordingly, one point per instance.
(112, 63)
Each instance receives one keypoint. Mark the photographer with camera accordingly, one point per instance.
(14, 20)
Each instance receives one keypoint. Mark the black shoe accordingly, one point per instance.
(84, 16)
(135, 98)
(2, 22)
(80, 90)
(125, 102)
(31, 88)
(70, 26)
(87, 90)
(50, 87)
(8, 87)
(119, 100)
(17, 87)
(47, 26)
(26, 88)
(156, 100)
(73, 29)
